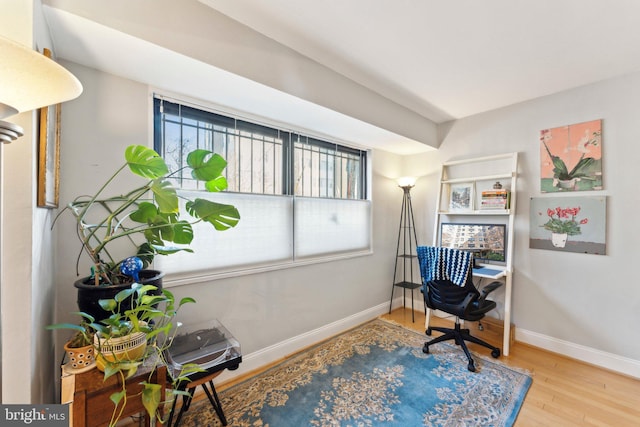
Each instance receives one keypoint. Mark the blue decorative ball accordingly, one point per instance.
(131, 267)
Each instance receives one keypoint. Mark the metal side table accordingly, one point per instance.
(210, 345)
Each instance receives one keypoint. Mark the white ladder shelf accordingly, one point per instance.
(481, 173)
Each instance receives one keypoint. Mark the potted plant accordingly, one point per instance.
(80, 350)
(562, 223)
(128, 339)
(148, 218)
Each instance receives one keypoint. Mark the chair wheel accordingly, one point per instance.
(425, 349)
(495, 353)
(428, 331)
(471, 366)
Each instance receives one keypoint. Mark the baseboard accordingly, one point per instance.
(276, 352)
(610, 361)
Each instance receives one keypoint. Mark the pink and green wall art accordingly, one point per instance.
(571, 158)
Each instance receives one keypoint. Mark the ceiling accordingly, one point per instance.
(443, 60)
(452, 59)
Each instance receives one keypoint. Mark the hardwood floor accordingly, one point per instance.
(564, 392)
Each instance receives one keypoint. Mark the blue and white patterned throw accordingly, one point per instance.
(438, 263)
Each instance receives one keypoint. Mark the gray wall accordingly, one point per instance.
(575, 304)
(260, 309)
(27, 244)
(564, 300)
(567, 300)
(193, 29)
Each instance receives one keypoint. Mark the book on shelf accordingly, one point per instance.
(495, 199)
(495, 193)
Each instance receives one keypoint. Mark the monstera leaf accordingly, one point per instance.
(221, 216)
(165, 196)
(145, 162)
(205, 165)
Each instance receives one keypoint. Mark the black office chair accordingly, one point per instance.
(447, 286)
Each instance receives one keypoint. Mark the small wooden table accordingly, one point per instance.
(89, 393)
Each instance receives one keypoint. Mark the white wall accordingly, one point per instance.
(261, 310)
(586, 306)
(27, 255)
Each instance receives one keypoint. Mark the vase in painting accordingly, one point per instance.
(559, 240)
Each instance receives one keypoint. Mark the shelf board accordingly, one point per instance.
(479, 212)
(408, 285)
(477, 178)
(479, 159)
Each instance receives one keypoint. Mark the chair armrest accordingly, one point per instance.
(488, 289)
(466, 303)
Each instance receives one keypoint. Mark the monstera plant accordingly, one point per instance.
(150, 217)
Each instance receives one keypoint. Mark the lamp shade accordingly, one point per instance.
(406, 181)
(29, 80)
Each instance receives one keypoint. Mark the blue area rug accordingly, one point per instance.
(373, 375)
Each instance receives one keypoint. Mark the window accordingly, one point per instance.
(299, 197)
(322, 169)
(261, 159)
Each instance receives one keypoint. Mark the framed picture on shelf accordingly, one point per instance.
(461, 197)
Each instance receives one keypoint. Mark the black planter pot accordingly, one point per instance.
(89, 294)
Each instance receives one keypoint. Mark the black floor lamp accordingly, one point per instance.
(405, 276)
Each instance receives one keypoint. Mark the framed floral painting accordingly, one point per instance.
(569, 224)
(571, 158)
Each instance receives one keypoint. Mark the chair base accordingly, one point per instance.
(459, 336)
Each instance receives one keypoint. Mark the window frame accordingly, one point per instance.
(190, 277)
(290, 138)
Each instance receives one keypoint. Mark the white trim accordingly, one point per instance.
(613, 362)
(599, 358)
(283, 349)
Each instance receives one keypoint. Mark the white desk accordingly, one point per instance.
(493, 272)
(489, 271)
